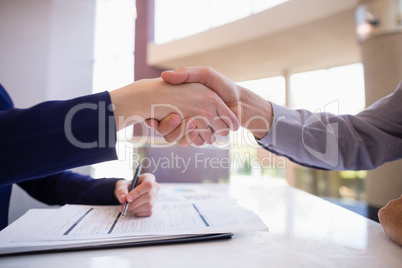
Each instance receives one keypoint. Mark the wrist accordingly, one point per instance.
(256, 113)
(130, 104)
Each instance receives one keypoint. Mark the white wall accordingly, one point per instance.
(24, 31)
(46, 52)
(46, 49)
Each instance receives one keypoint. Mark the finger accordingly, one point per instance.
(226, 121)
(152, 123)
(204, 75)
(168, 124)
(143, 203)
(219, 127)
(122, 190)
(143, 215)
(198, 141)
(175, 76)
(187, 140)
(204, 129)
(144, 211)
(146, 182)
(181, 131)
(222, 119)
(220, 84)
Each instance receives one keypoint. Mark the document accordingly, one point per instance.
(74, 227)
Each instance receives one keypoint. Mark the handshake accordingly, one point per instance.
(191, 105)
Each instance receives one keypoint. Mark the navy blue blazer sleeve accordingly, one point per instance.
(55, 136)
(71, 188)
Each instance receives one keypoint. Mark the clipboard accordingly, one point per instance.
(162, 242)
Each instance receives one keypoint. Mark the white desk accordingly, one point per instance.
(305, 231)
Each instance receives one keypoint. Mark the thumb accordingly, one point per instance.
(175, 77)
(207, 76)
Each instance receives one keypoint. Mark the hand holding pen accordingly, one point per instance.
(133, 184)
(140, 196)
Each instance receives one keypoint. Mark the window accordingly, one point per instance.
(247, 157)
(113, 68)
(114, 44)
(337, 90)
(272, 88)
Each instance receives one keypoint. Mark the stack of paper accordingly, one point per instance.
(75, 227)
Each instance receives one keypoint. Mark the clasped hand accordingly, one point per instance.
(186, 106)
(250, 110)
(156, 99)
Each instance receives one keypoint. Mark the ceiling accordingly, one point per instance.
(297, 36)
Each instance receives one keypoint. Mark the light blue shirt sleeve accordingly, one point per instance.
(339, 142)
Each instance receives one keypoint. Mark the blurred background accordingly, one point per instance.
(298, 53)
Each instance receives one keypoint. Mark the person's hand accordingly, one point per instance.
(142, 198)
(223, 86)
(156, 99)
(253, 112)
(390, 218)
(175, 130)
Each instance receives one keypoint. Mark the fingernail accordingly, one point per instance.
(130, 198)
(173, 121)
(191, 123)
(193, 135)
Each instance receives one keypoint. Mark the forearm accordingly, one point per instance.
(323, 140)
(72, 188)
(54, 136)
(148, 98)
(130, 104)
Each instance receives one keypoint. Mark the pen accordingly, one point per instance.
(133, 183)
